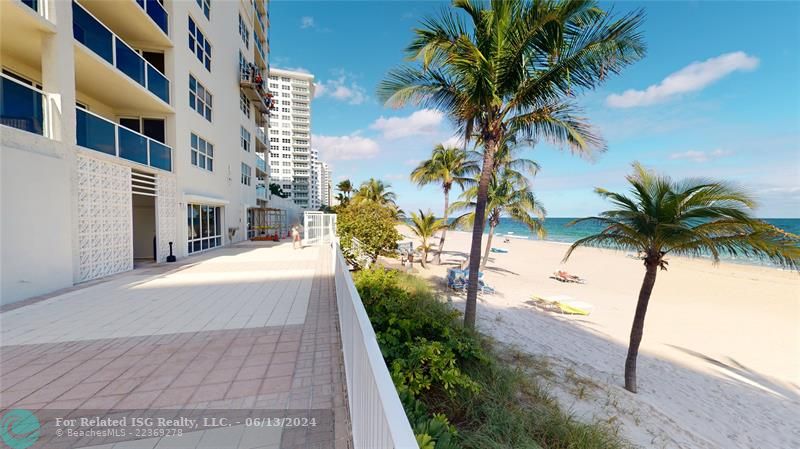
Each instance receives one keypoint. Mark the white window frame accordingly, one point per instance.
(197, 154)
(204, 54)
(203, 106)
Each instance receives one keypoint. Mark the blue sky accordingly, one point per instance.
(717, 95)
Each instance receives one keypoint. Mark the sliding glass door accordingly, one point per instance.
(205, 227)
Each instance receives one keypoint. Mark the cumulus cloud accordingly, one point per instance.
(341, 88)
(693, 77)
(700, 156)
(343, 148)
(425, 121)
(307, 22)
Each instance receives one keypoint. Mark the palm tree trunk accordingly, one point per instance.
(424, 257)
(638, 326)
(470, 309)
(488, 247)
(438, 259)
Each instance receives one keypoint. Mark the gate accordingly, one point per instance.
(318, 228)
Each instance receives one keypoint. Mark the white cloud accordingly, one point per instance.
(425, 121)
(395, 177)
(341, 88)
(693, 77)
(454, 141)
(307, 22)
(344, 148)
(700, 156)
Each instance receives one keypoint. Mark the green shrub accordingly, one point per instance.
(457, 393)
(372, 224)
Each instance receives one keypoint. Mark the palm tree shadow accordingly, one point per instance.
(735, 371)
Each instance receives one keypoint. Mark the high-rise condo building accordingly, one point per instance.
(290, 157)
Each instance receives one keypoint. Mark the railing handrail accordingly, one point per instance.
(401, 435)
(35, 89)
(148, 141)
(114, 36)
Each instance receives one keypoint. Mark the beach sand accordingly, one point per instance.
(719, 365)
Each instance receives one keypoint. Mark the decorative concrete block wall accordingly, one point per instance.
(105, 242)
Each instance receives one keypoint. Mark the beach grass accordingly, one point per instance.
(501, 401)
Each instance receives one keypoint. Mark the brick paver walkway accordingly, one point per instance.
(243, 332)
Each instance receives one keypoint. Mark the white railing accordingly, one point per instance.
(377, 417)
(318, 228)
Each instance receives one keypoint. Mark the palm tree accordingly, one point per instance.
(692, 217)
(447, 165)
(511, 69)
(345, 187)
(507, 196)
(377, 191)
(425, 226)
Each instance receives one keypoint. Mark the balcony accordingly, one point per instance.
(261, 27)
(262, 145)
(100, 134)
(261, 191)
(144, 23)
(105, 66)
(252, 84)
(23, 107)
(261, 56)
(23, 26)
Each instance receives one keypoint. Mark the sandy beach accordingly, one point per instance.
(719, 365)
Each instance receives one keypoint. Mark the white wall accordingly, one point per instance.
(35, 224)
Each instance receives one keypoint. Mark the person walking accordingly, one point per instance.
(296, 243)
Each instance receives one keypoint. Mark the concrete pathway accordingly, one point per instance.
(247, 334)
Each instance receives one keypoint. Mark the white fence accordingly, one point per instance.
(376, 413)
(318, 228)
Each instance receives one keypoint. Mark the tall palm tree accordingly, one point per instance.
(693, 217)
(345, 187)
(511, 68)
(446, 166)
(507, 196)
(425, 226)
(377, 191)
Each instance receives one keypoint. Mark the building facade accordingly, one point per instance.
(290, 157)
(128, 130)
(325, 189)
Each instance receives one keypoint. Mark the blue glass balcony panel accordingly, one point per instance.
(156, 12)
(91, 33)
(132, 146)
(21, 107)
(160, 156)
(130, 63)
(157, 83)
(95, 133)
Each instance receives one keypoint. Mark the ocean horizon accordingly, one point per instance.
(558, 231)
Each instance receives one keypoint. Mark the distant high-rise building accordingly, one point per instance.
(325, 184)
(290, 157)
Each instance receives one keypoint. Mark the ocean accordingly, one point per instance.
(557, 231)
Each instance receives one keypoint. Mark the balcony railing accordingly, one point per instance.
(97, 37)
(253, 85)
(23, 107)
(261, 191)
(259, 47)
(100, 134)
(156, 11)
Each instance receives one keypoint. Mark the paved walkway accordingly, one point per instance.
(240, 333)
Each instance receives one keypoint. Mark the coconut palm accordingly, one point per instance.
(425, 226)
(377, 191)
(693, 217)
(446, 166)
(345, 187)
(511, 68)
(507, 196)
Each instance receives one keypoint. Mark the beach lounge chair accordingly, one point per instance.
(563, 276)
(563, 304)
(499, 250)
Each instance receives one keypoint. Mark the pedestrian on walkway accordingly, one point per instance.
(296, 243)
